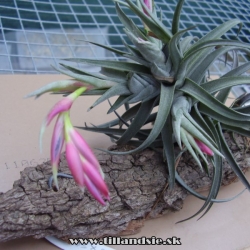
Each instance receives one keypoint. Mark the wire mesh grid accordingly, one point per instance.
(37, 34)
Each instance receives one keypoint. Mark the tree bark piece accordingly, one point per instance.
(135, 182)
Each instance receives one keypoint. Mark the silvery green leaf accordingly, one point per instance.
(148, 50)
(149, 90)
(130, 113)
(109, 124)
(217, 42)
(93, 74)
(179, 106)
(135, 84)
(175, 54)
(185, 44)
(238, 130)
(63, 85)
(133, 50)
(176, 124)
(225, 82)
(118, 65)
(116, 51)
(139, 60)
(208, 39)
(230, 158)
(128, 23)
(152, 22)
(204, 97)
(161, 74)
(201, 69)
(114, 91)
(119, 102)
(218, 31)
(186, 142)
(176, 18)
(190, 118)
(210, 112)
(190, 190)
(98, 83)
(195, 146)
(166, 99)
(182, 103)
(223, 94)
(168, 147)
(189, 127)
(139, 120)
(113, 73)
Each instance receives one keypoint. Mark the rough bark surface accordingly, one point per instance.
(136, 184)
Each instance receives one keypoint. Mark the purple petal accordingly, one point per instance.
(57, 140)
(64, 104)
(75, 164)
(56, 146)
(84, 148)
(93, 190)
(61, 106)
(94, 176)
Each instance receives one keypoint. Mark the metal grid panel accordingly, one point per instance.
(36, 34)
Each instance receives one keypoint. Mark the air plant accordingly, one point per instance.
(167, 69)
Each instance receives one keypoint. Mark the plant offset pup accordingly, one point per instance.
(169, 72)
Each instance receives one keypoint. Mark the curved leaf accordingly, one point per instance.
(223, 94)
(128, 23)
(198, 74)
(193, 192)
(97, 75)
(138, 122)
(174, 50)
(199, 55)
(188, 126)
(116, 51)
(98, 83)
(231, 160)
(168, 147)
(204, 97)
(166, 99)
(217, 42)
(118, 65)
(225, 82)
(152, 22)
(238, 130)
(186, 142)
(176, 18)
(116, 90)
(217, 163)
(216, 33)
(217, 116)
(245, 110)
(119, 102)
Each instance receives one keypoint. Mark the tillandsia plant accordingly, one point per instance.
(168, 70)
